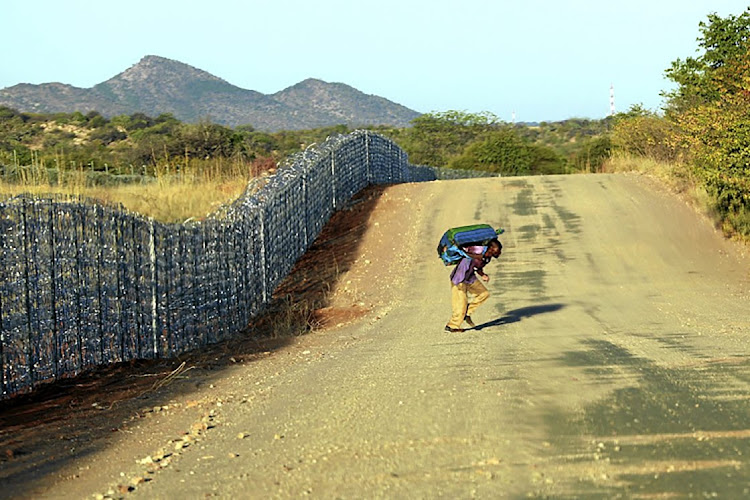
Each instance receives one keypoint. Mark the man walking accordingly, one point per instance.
(464, 283)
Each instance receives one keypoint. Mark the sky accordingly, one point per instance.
(528, 60)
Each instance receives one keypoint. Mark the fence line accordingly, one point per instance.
(84, 284)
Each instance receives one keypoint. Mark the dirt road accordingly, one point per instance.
(612, 359)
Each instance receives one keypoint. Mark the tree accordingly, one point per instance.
(94, 119)
(545, 161)
(501, 151)
(718, 135)
(593, 154)
(710, 111)
(642, 132)
(436, 138)
(107, 135)
(206, 140)
(138, 121)
(723, 40)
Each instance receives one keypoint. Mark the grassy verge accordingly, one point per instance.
(681, 179)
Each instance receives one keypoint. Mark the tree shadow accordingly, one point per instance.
(517, 315)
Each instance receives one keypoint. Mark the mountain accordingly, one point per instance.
(158, 85)
(56, 97)
(329, 103)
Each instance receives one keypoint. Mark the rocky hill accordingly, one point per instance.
(158, 85)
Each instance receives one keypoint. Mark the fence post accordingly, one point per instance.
(196, 283)
(391, 163)
(367, 157)
(98, 216)
(333, 179)
(264, 291)
(168, 275)
(137, 274)
(305, 207)
(78, 223)
(152, 259)
(53, 282)
(120, 295)
(27, 278)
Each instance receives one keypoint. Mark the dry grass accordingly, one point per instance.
(175, 201)
(676, 176)
(288, 316)
(166, 198)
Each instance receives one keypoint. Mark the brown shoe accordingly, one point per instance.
(453, 330)
(469, 321)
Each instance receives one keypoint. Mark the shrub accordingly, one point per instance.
(644, 133)
(501, 151)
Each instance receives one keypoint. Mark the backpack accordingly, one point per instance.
(450, 249)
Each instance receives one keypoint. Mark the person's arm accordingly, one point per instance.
(481, 273)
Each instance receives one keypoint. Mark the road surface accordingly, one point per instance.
(612, 359)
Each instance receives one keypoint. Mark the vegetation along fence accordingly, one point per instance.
(83, 284)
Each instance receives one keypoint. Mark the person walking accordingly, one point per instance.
(464, 283)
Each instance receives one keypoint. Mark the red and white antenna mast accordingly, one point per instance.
(612, 99)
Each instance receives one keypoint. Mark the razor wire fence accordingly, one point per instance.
(84, 284)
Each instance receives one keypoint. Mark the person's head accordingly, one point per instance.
(494, 249)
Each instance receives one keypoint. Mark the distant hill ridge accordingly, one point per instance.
(158, 85)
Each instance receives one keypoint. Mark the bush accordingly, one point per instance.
(502, 152)
(646, 134)
(545, 161)
(107, 135)
(592, 156)
(738, 222)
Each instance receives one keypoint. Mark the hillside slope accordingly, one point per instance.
(158, 85)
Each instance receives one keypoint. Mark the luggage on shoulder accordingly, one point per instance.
(450, 249)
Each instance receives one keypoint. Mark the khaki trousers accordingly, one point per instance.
(460, 301)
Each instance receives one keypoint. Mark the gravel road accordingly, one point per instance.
(611, 360)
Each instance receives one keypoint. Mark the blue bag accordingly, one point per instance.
(450, 249)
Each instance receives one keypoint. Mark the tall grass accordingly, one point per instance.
(172, 194)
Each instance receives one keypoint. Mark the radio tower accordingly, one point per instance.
(612, 99)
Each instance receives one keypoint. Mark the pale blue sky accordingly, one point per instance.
(545, 60)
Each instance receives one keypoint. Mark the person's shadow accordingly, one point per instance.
(518, 314)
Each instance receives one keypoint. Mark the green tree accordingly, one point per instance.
(710, 110)
(206, 140)
(501, 151)
(436, 138)
(593, 154)
(718, 136)
(722, 40)
(107, 134)
(545, 160)
(94, 119)
(644, 133)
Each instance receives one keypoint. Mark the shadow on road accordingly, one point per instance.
(689, 411)
(518, 314)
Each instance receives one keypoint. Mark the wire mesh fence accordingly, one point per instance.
(84, 284)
